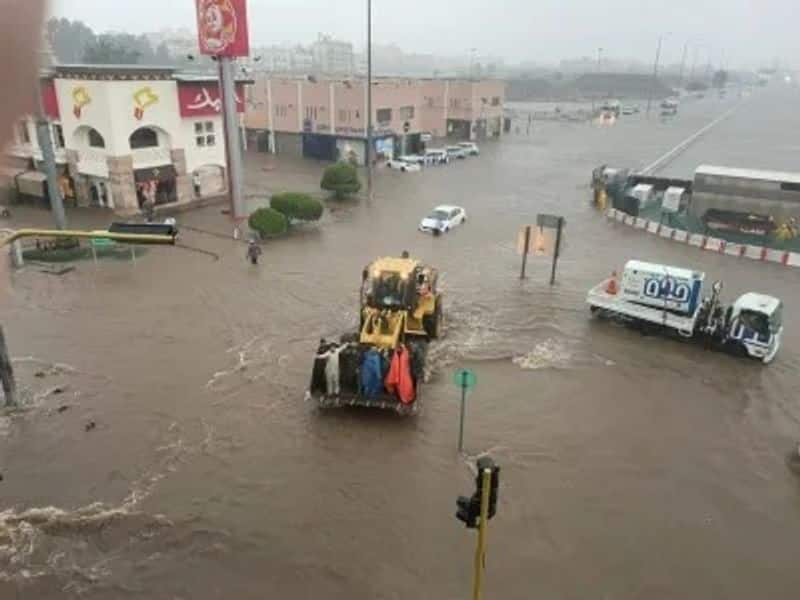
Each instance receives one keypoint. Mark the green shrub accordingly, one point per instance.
(297, 207)
(341, 179)
(268, 222)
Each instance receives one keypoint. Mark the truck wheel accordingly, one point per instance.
(433, 323)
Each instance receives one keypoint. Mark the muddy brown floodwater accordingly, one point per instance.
(633, 467)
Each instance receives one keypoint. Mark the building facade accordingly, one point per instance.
(331, 56)
(326, 119)
(126, 135)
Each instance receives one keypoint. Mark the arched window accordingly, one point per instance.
(95, 139)
(144, 138)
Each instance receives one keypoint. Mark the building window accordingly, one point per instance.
(95, 139)
(143, 138)
(344, 116)
(406, 112)
(280, 110)
(204, 135)
(22, 131)
(58, 136)
(495, 100)
(384, 115)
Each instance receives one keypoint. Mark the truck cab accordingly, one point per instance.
(756, 322)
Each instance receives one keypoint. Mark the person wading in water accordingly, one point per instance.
(253, 252)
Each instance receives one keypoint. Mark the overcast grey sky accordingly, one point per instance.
(744, 31)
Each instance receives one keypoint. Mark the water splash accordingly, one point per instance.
(550, 353)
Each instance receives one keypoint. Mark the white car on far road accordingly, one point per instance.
(416, 159)
(437, 156)
(456, 152)
(442, 219)
(398, 164)
(471, 148)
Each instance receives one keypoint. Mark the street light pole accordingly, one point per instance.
(45, 142)
(683, 63)
(655, 74)
(368, 152)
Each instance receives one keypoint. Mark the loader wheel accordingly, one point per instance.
(433, 323)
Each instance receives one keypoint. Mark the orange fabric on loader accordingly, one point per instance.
(398, 379)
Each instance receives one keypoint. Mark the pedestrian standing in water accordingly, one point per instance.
(253, 252)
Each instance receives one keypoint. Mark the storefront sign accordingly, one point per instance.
(344, 130)
(222, 27)
(203, 100)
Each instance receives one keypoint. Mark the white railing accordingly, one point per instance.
(145, 158)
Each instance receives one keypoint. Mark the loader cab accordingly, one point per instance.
(390, 283)
(756, 322)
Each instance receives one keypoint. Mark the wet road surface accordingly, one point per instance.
(633, 467)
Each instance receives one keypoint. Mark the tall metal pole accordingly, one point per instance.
(683, 63)
(655, 75)
(49, 160)
(9, 384)
(463, 409)
(368, 152)
(233, 142)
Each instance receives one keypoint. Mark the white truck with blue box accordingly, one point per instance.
(655, 296)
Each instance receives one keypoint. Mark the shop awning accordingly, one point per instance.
(31, 183)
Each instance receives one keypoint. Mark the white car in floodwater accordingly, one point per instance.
(443, 219)
(400, 164)
(456, 152)
(471, 148)
(437, 156)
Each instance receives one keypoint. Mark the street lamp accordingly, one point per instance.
(655, 71)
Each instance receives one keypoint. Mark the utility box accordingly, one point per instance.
(661, 286)
(673, 199)
(644, 193)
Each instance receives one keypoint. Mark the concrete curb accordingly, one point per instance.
(786, 258)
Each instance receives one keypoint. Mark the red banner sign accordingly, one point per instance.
(50, 99)
(222, 27)
(202, 99)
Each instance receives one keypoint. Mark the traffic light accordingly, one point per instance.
(487, 463)
(469, 509)
(163, 229)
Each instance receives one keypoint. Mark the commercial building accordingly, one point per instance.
(333, 57)
(126, 134)
(326, 118)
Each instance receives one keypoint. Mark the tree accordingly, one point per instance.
(107, 49)
(69, 39)
(719, 79)
(297, 207)
(341, 179)
(268, 222)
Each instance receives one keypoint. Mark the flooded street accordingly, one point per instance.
(633, 467)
